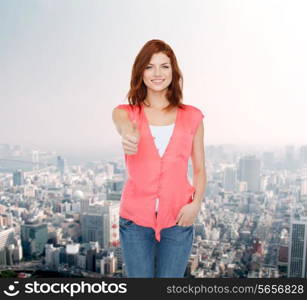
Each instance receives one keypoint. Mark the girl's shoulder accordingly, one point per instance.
(132, 110)
(125, 106)
(193, 116)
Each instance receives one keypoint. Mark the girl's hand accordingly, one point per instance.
(130, 140)
(187, 214)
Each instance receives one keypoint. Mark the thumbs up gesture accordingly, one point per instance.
(130, 139)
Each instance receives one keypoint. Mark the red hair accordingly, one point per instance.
(138, 89)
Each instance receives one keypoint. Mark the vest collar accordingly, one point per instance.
(171, 140)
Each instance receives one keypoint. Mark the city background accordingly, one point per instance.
(64, 65)
(63, 218)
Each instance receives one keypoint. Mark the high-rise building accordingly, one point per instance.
(33, 238)
(52, 256)
(303, 188)
(229, 178)
(303, 156)
(6, 237)
(72, 251)
(297, 264)
(35, 159)
(249, 171)
(290, 157)
(17, 252)
(18, 177)
(6, 241)
(110, 170)
(100, 223)
(62, 166)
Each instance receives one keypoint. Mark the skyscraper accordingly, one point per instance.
(290, 157)
(100, 223)
(249, 171)
(18, 177)
(298, 246)
(303, 156)
(229, 178)
(35, 159)
(62, 166)
(33, 238)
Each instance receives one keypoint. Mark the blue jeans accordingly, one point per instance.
(144, 256)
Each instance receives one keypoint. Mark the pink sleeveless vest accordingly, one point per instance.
(151, 176)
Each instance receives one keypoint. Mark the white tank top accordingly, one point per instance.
(162, 135)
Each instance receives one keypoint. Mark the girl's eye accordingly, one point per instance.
(166, 67)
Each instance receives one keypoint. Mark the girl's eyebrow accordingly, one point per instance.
(161, 64)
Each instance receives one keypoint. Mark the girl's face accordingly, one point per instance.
(158, 73)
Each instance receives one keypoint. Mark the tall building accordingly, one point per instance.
(100, 223)
(6, 237)
(62, 166)
(249, 171)
(229, 178)
(297, 264)
(6, 242)
(18, 177)
(33, 238)
(72, 251)
(290, 157)
(303, 187)
(17, 252)
(110, 170)
(303, 156)
(10, 247)
(52, 256)
(35, 159)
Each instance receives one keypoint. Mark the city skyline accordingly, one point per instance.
(65, 218)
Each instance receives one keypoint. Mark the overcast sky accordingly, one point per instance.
(64, 65)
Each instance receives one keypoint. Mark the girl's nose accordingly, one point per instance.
(157, 71)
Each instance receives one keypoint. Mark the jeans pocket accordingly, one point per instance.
(125, 222)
